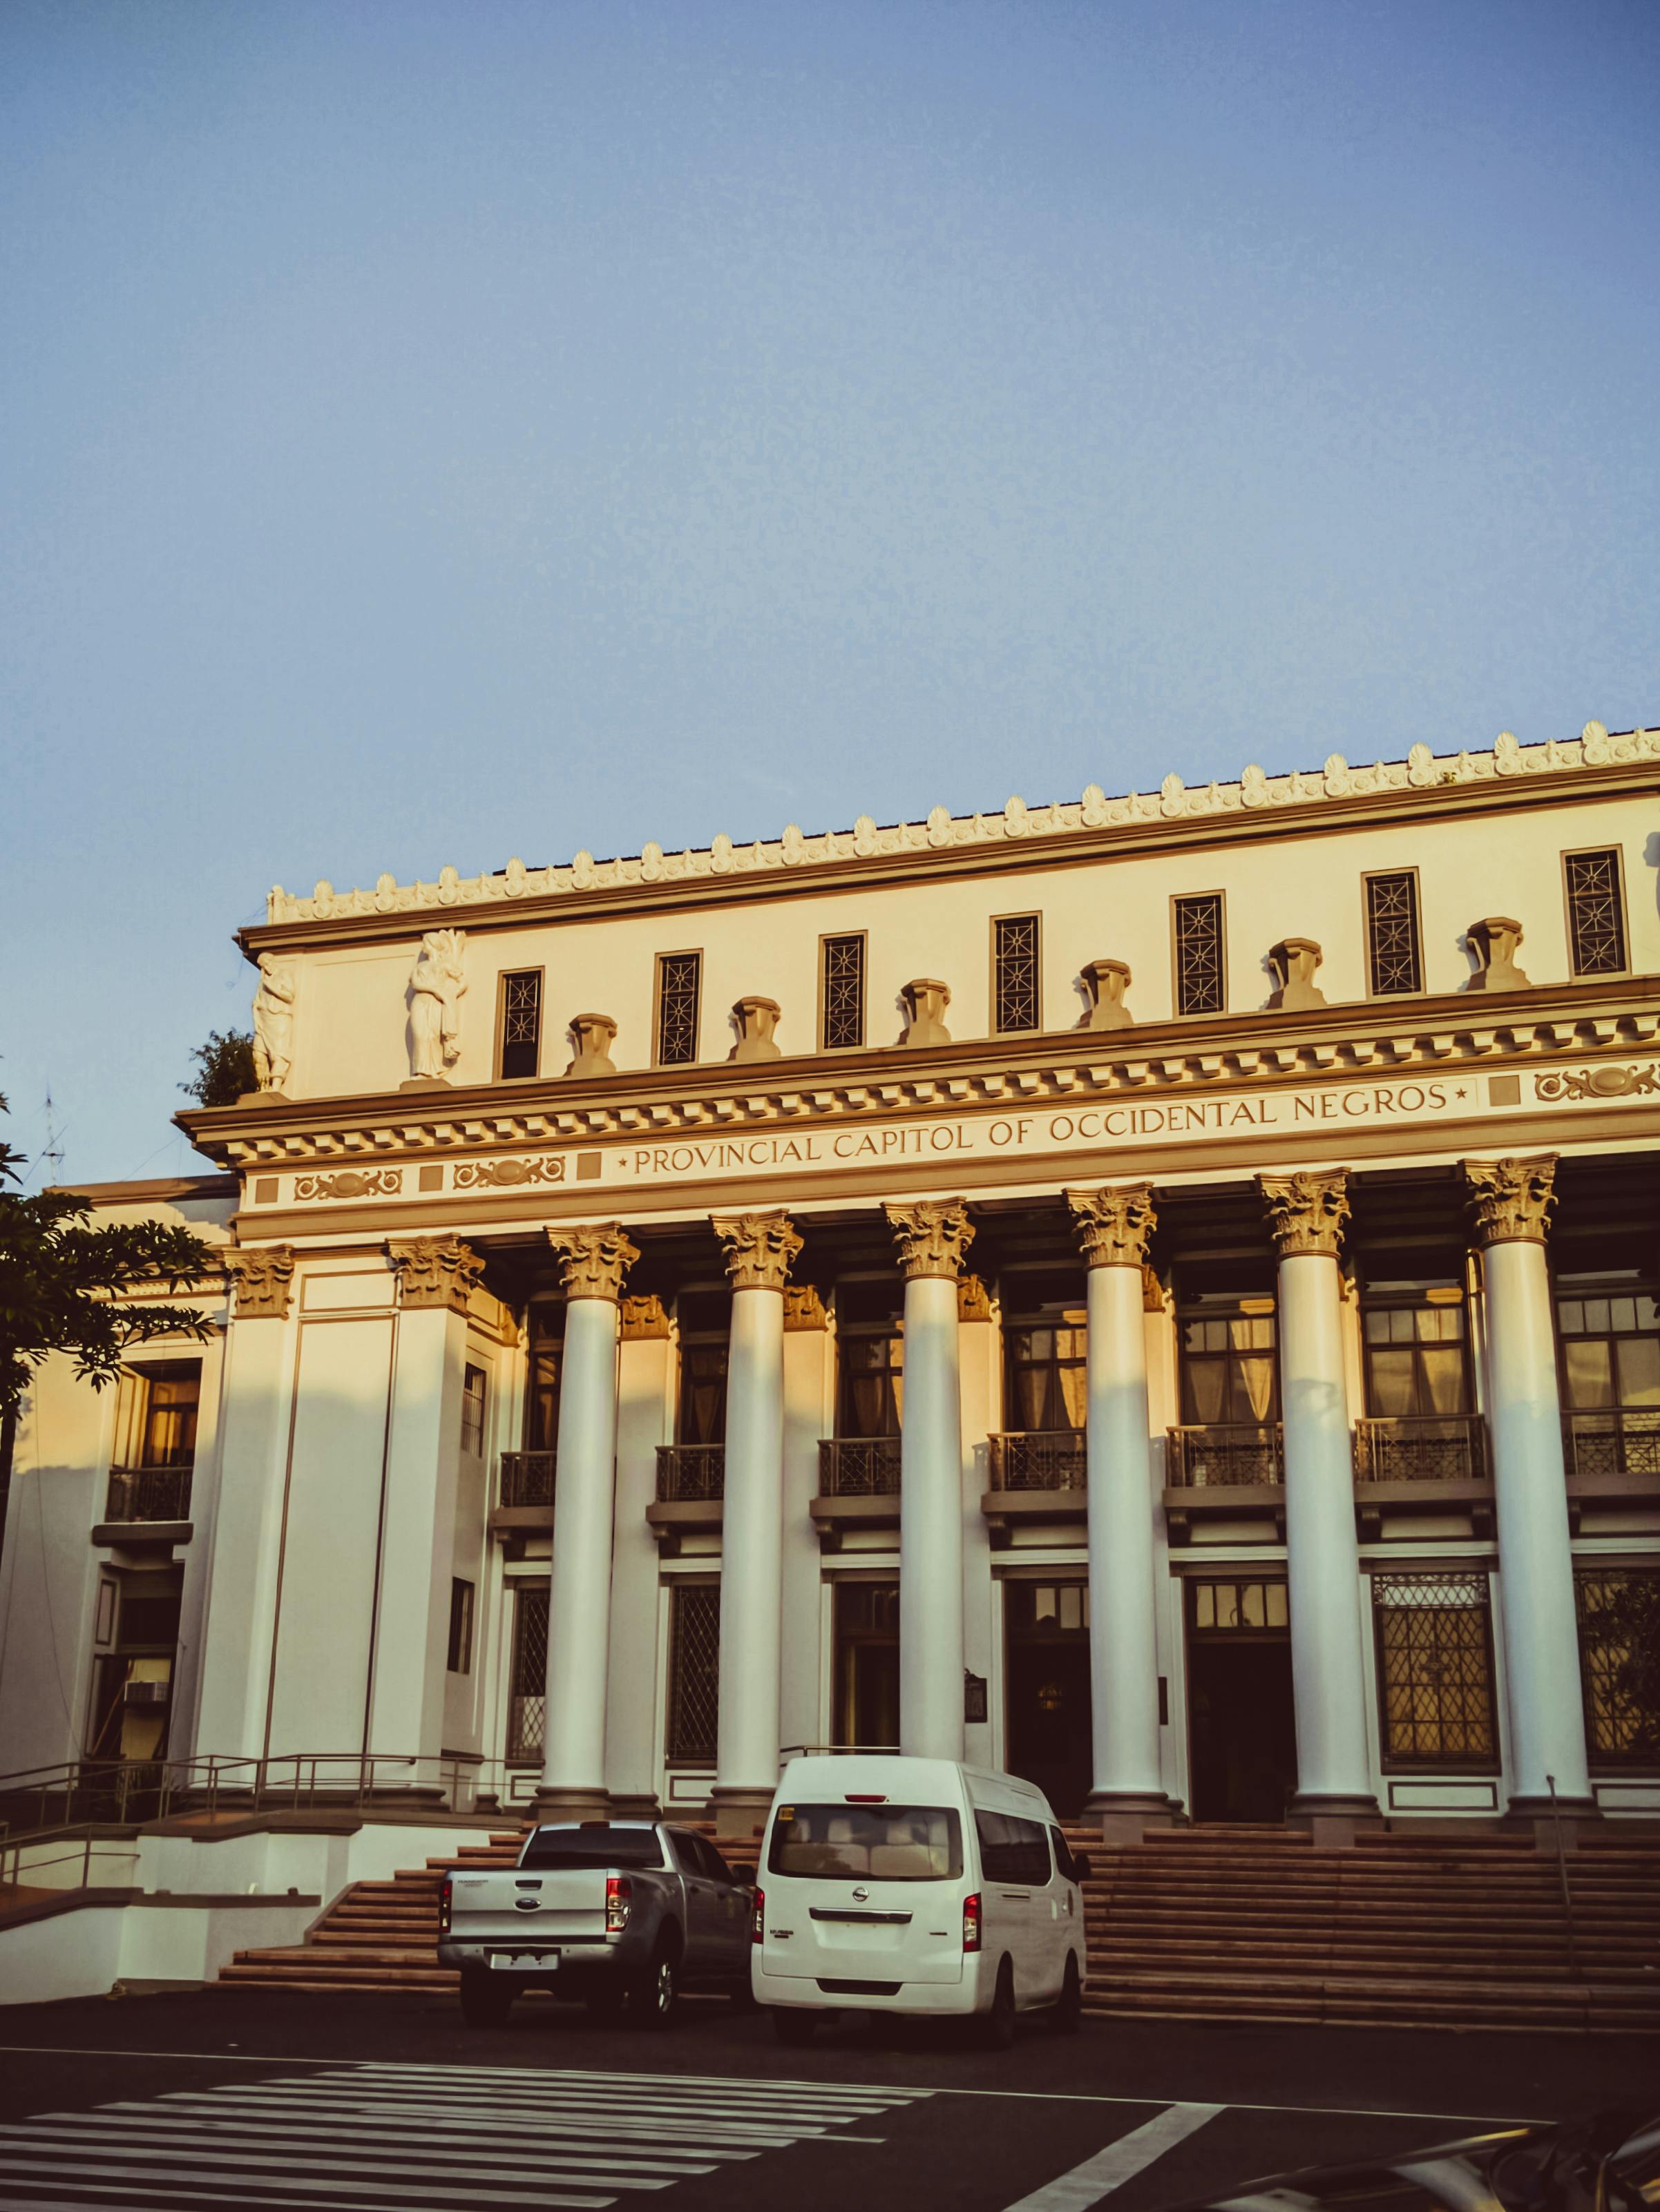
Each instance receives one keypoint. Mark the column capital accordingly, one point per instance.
(1306, 1210)
(759, 1247)
(1512, 1200)
(435, 1272)
(593, 1260)
(804, 1309)
(264, 1278)
(1114, 1223)
(933, 1236)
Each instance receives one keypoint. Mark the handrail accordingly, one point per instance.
(1562, 1875)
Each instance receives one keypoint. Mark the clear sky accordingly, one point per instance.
(439, 432)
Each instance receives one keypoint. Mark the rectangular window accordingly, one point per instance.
(1011, 1850)
(1620, 1664)
(867, 1665)
(547, 1355)
(1045, 1377)
(1435, 1670)
(1201, 981)
(460, 1650)
(520, 1025)
(1394, 959)
(527, 1700)
(679, 981)
(841, 994)
(1596, 912)
(1230, 1372)
(171, 1396)
(472, 1411)
(1014, 994)
(1415, 1357)
(694, 1672)
(1611, 1350)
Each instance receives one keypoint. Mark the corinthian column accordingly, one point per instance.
(1113, 1225)
(1512, 1201)
(593, 1262)
(933, 1236)
(759, 1248)
(1323, 1560)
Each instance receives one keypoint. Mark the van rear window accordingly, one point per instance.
(868, 1843)
(596, 1843)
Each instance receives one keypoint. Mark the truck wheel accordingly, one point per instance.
(1068, 2016)
(997, 2027)
(793, 2028)
(652, 1999)
(486, 1997)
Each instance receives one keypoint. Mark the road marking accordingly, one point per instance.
(1119, 2162)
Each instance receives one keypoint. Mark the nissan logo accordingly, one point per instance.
(861, 1895)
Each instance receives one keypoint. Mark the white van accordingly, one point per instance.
(915, 1885)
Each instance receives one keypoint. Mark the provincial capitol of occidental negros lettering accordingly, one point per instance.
(1156, 1293)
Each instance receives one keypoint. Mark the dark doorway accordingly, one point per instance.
(1242, 1735)
(1047, 1702)
(867, 1665)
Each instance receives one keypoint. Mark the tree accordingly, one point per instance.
(224, 1069)
(61, 1282)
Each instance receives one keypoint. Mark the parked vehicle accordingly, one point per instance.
(915, 1886)
(622, 1913)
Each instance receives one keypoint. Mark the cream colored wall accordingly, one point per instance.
(352, 1010)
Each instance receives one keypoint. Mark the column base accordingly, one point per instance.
(557, 1802)
(740, 1810)
(1332, 1818)
(1555, 1823)
(1124, 1816)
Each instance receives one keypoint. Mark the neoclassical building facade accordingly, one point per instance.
(1161, 1293)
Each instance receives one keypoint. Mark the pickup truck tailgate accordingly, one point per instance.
(485, 1907)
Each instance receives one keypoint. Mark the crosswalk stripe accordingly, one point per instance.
(84, 2168)
(443, 2142)
(832, 2092)
(764, 2132)
(1121, 2162)
(668, 2097)
(371, 2163)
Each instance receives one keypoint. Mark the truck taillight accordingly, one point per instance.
(444, 1902)
(618, 1890)
(759, 1919)
(971, 1922)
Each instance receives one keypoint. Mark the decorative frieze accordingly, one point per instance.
(593, 1261)
(592, 1035)
(804, 1307)
(1294, 962)
(642, 1319)
(933, 1236)
(755, 1020)
(1114, 1223)
(1598, 1082)
(434, 1272)
(1105, 982)
(264, 1276)
(351, 1182)
(1511, 1199)
(508, 1174)
(1494, 943)
(1306, 1211)
(759, 1247)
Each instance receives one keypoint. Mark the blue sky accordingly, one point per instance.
(438, 433)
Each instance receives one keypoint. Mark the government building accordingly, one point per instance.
(1159, 1293)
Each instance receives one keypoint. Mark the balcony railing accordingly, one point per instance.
(859, 1466)
(1038, 1459)
(527, 1478)
(148, 1493)
(1437, 1447)
(1224, 1454)
(1613, 1443)
(688, 1472)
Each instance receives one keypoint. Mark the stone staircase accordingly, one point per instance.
(1229, 1924)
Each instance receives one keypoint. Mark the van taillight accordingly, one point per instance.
(759, 1919)
(618, 1890)
(971, 1922)
(444, 1903)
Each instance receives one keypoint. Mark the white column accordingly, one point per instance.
(1322, 1559)
(933, 1236)
(593, 1262)
(1115, 1225)
(1512, 1200)
(759, 1247)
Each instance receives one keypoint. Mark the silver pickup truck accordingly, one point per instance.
(621, 1913)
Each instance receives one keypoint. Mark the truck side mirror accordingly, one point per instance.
(1081, 1868)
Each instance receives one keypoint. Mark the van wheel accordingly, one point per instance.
(652, 2000)
(997, 2027)
(1068, 2016)
(486, 1997)
(793, 2028)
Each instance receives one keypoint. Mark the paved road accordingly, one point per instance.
(319, 2103)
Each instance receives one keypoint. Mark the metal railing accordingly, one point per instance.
(1037, 1459)
(527, 1478)
(1223, 1455)
(1613, 1443)
(859, 1466)
(1430, 1448)
(148, 1493)
(689, 1473)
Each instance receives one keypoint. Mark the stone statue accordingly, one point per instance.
(436, 986)
(273, 1021)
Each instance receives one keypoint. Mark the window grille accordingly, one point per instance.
(1199, 976)
(1014, 981)
(521, 1024)
(1620, 1664)
(1394, 959)
(460, 1644)
(1435, 1670)
(1596, 921)
(842, 992)
(679, 976)
(472, 1410)
(527, 1702)
(694, 1672)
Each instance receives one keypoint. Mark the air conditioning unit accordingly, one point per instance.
(148, 1693)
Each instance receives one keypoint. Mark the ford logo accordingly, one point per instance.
(861, 1896)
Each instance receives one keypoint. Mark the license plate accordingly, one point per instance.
(517, 1961)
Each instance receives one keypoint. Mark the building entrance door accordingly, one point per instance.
(867, 1665)
(1047, 1704)
(1242, 1734)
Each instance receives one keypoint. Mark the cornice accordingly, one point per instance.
(1336, 797)
(1215, 1053)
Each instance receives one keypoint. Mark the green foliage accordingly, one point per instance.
(224, 1069)
(61, 1281)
